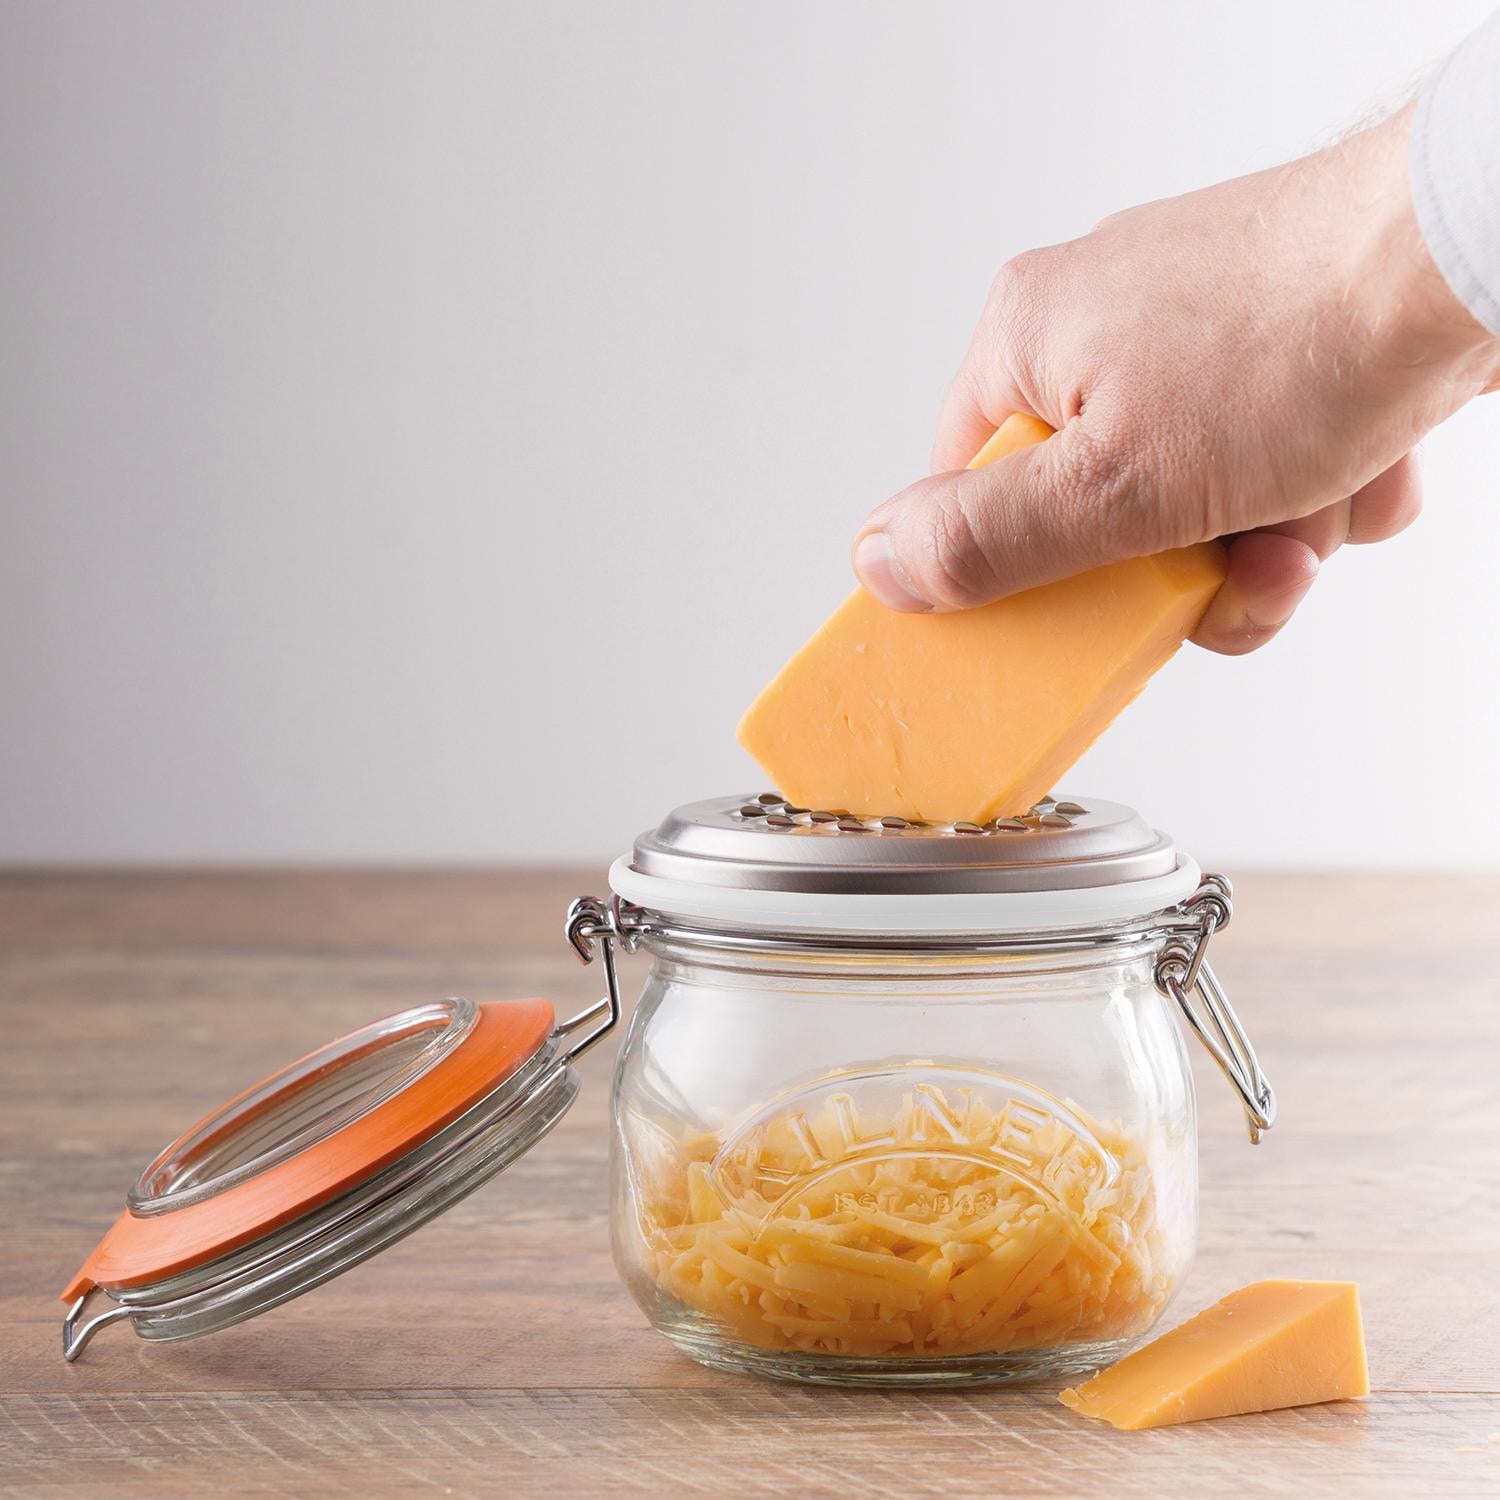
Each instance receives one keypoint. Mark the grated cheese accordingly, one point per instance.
(923, 1248)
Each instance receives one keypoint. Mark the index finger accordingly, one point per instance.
(964, 425)
(980, 397)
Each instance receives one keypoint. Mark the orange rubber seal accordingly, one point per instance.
(140, 1249)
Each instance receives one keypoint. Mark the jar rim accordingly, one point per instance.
(657, 930)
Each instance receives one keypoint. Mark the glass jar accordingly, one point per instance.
(899, 1103)
(871, 1157)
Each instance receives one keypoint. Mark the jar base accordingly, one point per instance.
(913, 1372)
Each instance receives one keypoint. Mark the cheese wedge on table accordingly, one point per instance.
(973, 715)
(1266, 1346)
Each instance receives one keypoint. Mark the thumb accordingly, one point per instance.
(968, 537)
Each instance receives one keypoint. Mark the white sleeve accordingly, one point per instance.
(1455, 171)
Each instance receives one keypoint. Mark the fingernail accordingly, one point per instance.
(875, 563)
(1274, 612)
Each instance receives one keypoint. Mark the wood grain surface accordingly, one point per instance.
(495, 1353)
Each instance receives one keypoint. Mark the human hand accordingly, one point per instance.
(1256, 360)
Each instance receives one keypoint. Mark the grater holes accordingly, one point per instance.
(771, 810)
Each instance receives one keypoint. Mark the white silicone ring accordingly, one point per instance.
(799, 911)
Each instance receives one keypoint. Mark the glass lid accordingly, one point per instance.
(306, 1102)
(327, 1161)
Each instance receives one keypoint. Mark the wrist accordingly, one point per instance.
(1414, 318)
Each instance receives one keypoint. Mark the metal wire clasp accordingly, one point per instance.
(75, 1335)
(590, 922)
(1182, 971)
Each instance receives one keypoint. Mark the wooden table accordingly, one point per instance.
(494, 1353)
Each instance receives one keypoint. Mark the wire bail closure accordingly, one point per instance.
(590, 922)
(1183, 973)
(76, 1335)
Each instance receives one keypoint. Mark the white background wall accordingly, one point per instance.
(424, 426)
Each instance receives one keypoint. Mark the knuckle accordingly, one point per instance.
(957, 572)
(1408, 512)
(1011, 278)
(1013, 294)
(1379, 521)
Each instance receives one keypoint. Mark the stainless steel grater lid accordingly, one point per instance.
(761, 863)
(764, 843)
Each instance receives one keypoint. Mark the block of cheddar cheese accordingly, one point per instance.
(974, 715)
(1266, 1346)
